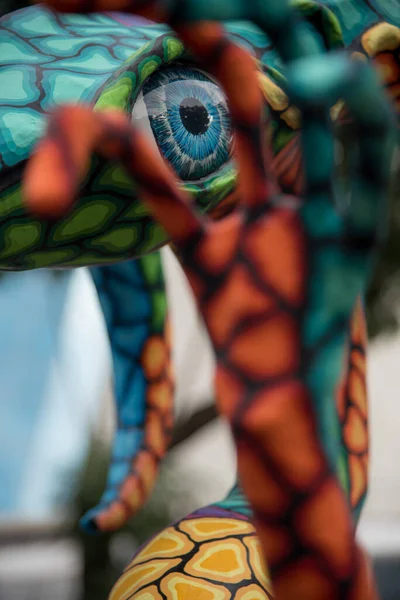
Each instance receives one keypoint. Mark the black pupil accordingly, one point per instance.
(194, 116)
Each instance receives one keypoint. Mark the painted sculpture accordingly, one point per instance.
(280, 348)
(111, 70)
(84, 245)
(34, 39)
(213, 553)
(133, 299)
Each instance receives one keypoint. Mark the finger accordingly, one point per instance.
(370, 170)
(282, 25)
(60, 161)
(156, 182)
(74, 133)
(309, 85)
(154, 10)
(314, 87)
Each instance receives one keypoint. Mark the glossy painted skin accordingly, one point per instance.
(353, 459)
(211, 554)
(111, 247)
(70, 66)
(217, 546)
(133, 299)
(279, 350)
(50, 60)
(59, 54)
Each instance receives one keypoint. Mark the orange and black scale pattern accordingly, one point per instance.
(276, 282)
(353, 412)
(137, 486)
(132, 296)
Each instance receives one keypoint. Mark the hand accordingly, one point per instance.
(276, 283)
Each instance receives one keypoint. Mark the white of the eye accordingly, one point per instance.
(141, 120)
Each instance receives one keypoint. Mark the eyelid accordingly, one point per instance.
(141, 119)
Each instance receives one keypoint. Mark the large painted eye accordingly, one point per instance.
(187, 115)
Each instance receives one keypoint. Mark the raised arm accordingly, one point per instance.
(133, 299)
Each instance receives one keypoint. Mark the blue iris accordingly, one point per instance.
(189, 119)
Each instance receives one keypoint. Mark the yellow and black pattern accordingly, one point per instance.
(199, 558)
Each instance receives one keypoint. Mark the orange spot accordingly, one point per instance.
(355, 432)
(358, 325)
(206, 528)
(358, 393)
(276, 245)
(278, 541)
(364, 586)
(160, 396)
(324, 523)
(359, 361)
(238, 298)
(132, 492)
(304, 580)
(170, 543)
(148, 593)
(223, 560)
(218, 249)
(268, 349)
(229, 391)
(179, 586)
(358, 479)
(146, 467)
(287, 166)
(252, 185)
(365, 462)
(155, 437)
(259, 485)
(281, 419)
(113, 518)
(47, 188)
(137, 577)
(251, 592)
(387, 67)
(154, 357)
